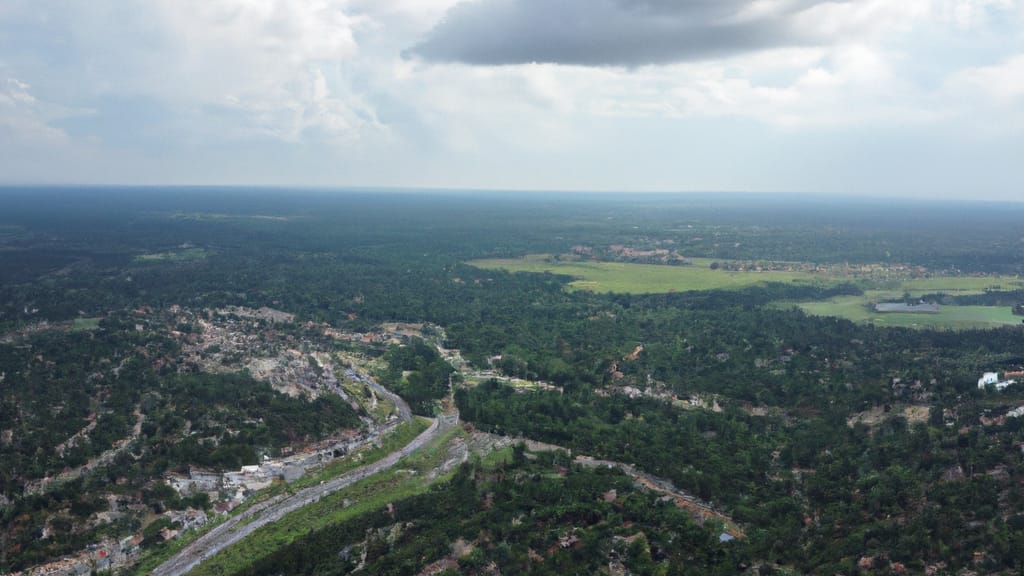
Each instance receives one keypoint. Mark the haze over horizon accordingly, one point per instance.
(922, 98)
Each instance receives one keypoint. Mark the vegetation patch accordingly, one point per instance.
(860, 309)
(623, 277)
(220, 216)
(185, 255)
(85, 324)
(706, 274)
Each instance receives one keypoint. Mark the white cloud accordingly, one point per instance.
(861, 20)
(279, 66)
(26, 121)
(279, 63)
(972, 14)
(990, 99)
(525, 107)
(1001, 84)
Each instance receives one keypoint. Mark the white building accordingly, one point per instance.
(992, 379)
(987, 379)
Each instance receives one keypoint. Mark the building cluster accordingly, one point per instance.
(242, 483)
(267, 343)
(921, 307)
(105, 556)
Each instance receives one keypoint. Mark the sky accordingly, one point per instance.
(912, 98)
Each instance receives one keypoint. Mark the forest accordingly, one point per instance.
(839, 447)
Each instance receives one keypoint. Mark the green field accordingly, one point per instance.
(85, 324)
(954, 285)
(856, 308)
(646, 278)
(185, 255)
(653, 278)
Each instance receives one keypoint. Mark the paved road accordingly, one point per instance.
(276, 508)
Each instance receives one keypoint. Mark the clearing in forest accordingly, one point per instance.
(858, 309)
(632, 278)
(625, 277)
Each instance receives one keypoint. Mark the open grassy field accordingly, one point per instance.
(654, 278)
(85, 324)
(856, 308)
(646, 278)
(958, 285)
(185, 255)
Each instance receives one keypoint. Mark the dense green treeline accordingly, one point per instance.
(230, 417)
(718, 457)
(916, 493)
(418, 374)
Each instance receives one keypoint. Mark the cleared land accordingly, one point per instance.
(84, 324)
(960, 284)
(654, 278)
(647, 278)
(185, 255)
(856, 308)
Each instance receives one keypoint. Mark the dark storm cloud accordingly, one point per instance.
(605, 32)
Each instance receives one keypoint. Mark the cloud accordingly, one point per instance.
(219, 69)
(1001, 83)
(612, 32)
(275, 64)
(27, 121)
(991, 97)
